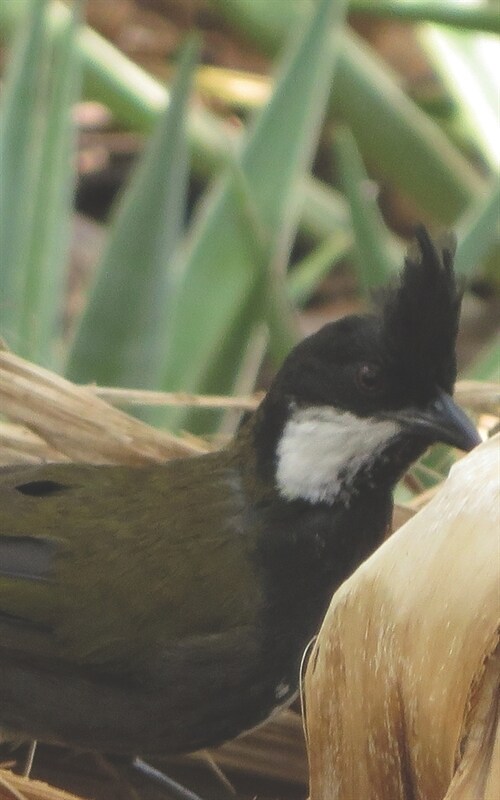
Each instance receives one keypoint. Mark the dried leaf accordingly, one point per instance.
(402, 685)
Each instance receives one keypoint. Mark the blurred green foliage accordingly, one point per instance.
(180, 310)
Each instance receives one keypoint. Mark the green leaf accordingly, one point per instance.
(475, 17)
(36, 180)
(391, 131)
(120, 339)
(487, 365)
(376, 256)
(225, 263)
(306, 276)
(20, 129)
(51, 223)
(136, 99)
(478, 234)
(467, 64)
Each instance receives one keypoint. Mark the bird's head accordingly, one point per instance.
(358, 401)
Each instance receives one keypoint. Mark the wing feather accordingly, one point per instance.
(114, 564)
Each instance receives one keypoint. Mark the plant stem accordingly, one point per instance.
(478, 18)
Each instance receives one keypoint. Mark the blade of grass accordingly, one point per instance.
(436, 175)
(50, 227)
(223, 264)
(487, 364)
(478, 232)
(275, 308)
(375, 255)
(477, 17)
(136, 99)
(233, 351)
(121, 336)
(20, 123)
(306, 276)
(468, 66)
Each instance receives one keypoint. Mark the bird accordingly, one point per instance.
(164, 609)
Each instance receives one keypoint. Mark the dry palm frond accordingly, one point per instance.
(15, 787)
(146, 397)
(275, 750)
(402, 686)
(75, 423)
(479, 396)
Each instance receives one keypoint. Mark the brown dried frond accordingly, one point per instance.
(402, 686)
(77, 424)
(16, 787)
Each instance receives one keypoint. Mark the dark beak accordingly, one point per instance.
(442, 421)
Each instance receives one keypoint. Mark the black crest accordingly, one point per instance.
(420, 316)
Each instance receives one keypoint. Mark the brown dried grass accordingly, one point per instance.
(15, 787)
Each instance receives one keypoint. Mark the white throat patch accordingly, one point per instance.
(320, 444)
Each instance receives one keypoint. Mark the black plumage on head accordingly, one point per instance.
(420, 316)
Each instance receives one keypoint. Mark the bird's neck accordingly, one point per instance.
(305, 548)
(325, 455)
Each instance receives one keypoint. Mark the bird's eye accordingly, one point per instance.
(369, 378)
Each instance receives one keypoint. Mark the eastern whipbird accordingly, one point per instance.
(165, 609)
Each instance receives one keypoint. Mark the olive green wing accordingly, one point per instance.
(114, 565)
